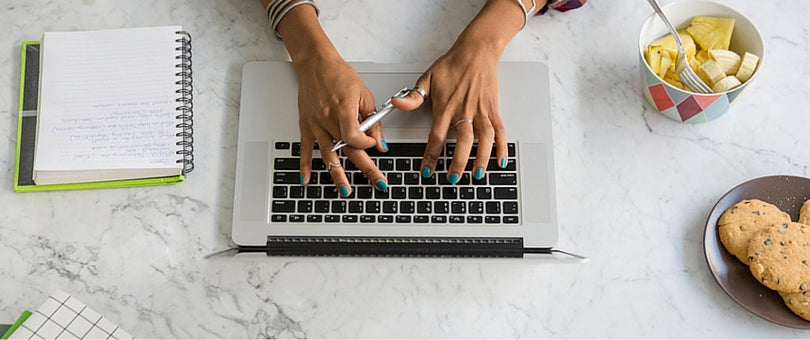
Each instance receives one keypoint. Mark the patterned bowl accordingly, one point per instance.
(687, 106)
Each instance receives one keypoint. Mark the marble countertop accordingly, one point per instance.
(633, 187)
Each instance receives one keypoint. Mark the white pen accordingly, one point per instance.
(376, 116)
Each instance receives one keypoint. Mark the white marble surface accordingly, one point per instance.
(634, 190)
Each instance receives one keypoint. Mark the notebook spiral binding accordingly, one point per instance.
(185, 108)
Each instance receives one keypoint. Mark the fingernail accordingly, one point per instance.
(453, 179)
(503, 163)
(302, 180)
(382, 185)
(384, 144)
(402, 94)
(479, 173)
(425, 172)
(372, 145)
(344, 191)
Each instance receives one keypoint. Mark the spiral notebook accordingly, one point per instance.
(107, 108)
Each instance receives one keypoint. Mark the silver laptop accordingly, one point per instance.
(510, 213)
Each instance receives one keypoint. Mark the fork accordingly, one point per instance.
(685, 73)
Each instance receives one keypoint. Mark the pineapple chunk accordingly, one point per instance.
(711, 32)
(726, 84)
(666, 64)
(747, 66)
(669, 44)
(654, 58)
(702, 56)
(728, 60)
(674, 80)
(710, 72)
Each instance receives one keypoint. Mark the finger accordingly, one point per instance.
(464, 142)
(501, 150)
(414, 99)
(486, 135)
(305, 162)
(350, 128)
(331, 157)
(376, 130)
(435, 145)
(364, 163)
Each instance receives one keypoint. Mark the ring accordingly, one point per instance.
(331, 166)
(462, 121)
(420, 92)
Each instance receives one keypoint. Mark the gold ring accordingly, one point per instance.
(462, 121)
(331, 166)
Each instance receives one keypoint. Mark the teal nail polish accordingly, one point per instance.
(453, 179)
(425, 172)
(302, 180)
(344, 191)
(384, 144)
(503, 163)
(382, 185)
(479, 173)
(372, 145)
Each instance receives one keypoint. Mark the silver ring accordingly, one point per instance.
(462, 121)
(331, 166)
(420, 92)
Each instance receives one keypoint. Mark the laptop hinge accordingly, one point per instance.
(394, 246)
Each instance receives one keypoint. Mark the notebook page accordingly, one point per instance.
(107, 100)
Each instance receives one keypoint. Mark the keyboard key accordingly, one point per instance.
(285, 164)
(456, 219)
(484, 193)
(438, 219)
(495, 165)
(283, 206)
(506, 193)
(368, 219)
(441, 207)
(356, 207)
(282, 145)
(403, 219)
(416, 164)
(331, 218)
(511, 149)
(503, 178)
(313, 192)
(304, 206)
(385, 164)
(493, 207)
(423, 207)
(402, 150)
(475, 207)
(338, 207)
(510, 219)
(510, 207)
(403, 164)
(458, 207)
(415, 193)
(412, 178)
(398, 192)
(321, 206)
(296, 191)
(326, 178)
(381, 195)
(318, 164)
(390, 207)
(330, 192)
(372, 207)
(349, 166)
(314, 218)
(464, 180)
(474, 219)
(429, 180)
(466, 193)
(421, 219)
(433, 193)
(492, 219)
(449, 193)
(364, 192)
(349, 218)
(407, 207)
(394, 178)
(359, 179)
(278, 218)
(385, 219)
(286, 177)
(279, 192)
(297, 218)
(296, 149)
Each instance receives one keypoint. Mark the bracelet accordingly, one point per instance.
(527, 12)
(277, 9)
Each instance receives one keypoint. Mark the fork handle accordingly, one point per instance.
(657, 8)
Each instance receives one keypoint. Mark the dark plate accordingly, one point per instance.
(786, 192)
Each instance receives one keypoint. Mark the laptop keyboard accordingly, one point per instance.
(410, 199)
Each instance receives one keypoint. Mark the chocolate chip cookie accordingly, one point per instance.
(779, 257)
(744, 219)
(798, 303)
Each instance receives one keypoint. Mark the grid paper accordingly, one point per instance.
(62, 316)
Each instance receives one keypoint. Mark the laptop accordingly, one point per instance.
(509, 213)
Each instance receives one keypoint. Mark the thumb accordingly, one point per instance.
(414, 99)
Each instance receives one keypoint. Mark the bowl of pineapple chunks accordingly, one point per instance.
(722, 46)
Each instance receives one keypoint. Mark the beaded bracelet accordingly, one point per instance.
(277, 9)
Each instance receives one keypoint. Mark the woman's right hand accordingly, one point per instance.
(330, 97)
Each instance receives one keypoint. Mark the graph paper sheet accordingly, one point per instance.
(62, 316)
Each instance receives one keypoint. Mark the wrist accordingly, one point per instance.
(494, 26)
(304, 38)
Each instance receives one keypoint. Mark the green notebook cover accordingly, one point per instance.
(26, 135)
(10, 330)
